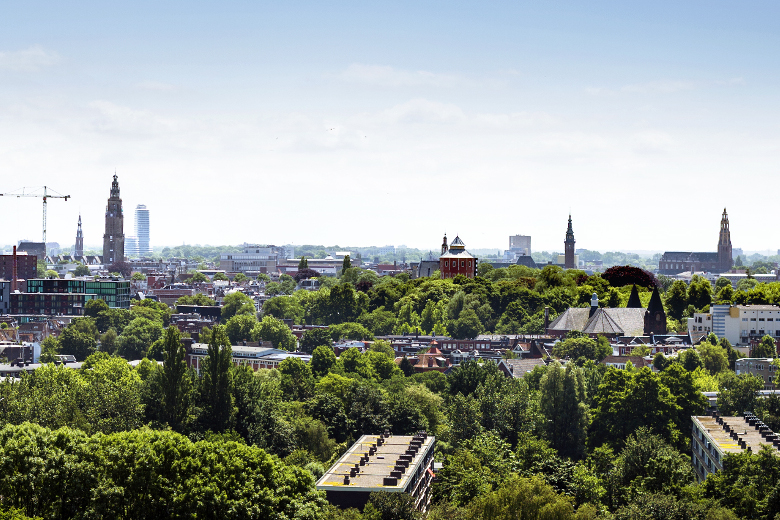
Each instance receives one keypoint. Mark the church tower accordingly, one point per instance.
(114, 237)
(444, 246)
(569, 262)
(724, 244)
(79, 249)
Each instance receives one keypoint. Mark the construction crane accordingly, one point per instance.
(36, 192)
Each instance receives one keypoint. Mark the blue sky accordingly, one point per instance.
(370, 123)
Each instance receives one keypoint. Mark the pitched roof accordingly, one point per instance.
(655, 305)
(602, 323)
(519, 367)
(573, 318)
(637, 361)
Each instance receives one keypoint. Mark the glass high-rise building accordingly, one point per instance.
(142, 230)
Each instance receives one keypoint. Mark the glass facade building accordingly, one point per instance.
(116, 293)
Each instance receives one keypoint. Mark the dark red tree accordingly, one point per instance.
(620, 275)
(305, 273)
(122, 268)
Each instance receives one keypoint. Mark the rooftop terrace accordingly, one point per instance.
(375, 462)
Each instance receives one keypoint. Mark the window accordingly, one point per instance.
(760, 319)
(770, 319)
(743, 319)
(752, 319)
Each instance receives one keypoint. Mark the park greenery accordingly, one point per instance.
(572, 439)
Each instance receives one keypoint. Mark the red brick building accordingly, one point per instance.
(26, 266)
(455, 260)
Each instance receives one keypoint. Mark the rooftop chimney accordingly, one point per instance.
(14, 273)
(594, 304)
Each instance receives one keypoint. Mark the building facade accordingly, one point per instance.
(675, 262)
(114, 237)
(142, 230)
(26, 266)
(253, 260)
(456, 260)
(760, 367)
(570, 261)
(116, 293)
(742, 325)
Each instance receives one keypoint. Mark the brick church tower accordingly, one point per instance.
(569, 262)
(724, 244)
(114, 238)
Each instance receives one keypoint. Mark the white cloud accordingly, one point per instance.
(27, 60)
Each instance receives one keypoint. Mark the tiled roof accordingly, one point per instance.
(519, 367)
(687, 256)
(457, 254)
(573, 318)
(637, 361)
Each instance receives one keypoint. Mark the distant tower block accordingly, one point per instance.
(79, 249)
(570, 262)
(520, 243)
(114, 237)
(142, 230)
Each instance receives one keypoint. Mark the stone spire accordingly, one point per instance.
(444, 247)
(724, 244)
(569, 262)
(79, 249)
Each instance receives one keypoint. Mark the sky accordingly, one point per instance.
(374, 123)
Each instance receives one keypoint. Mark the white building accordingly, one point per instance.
(142, 229)
(738, 323)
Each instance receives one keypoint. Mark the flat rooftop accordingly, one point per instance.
(379, 465)
(725, 442)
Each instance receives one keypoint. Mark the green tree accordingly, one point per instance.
(297, 380)
(738, 393)
(628, 400)
(466, 326)
(275, 331)
(81, 270)
(220, 277)
(109, 342)
(313, 338)
(240, 278)
(50, 347)
(346, 264)
(561, 398)
(95, 307)
(138, 277)
(677, 299)
(407, 367)
(583, 347)
(138, 336)
(176, 387)
(766, 348)
(217, 382)
(198, 277)
(237, 303)
(239, 328)
(390, 506)
(50, 273)
(303, 264)
(322, 359)
(713, 357)
(79, 338)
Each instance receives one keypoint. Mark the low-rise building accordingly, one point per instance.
(742, 324)
(382, 463)
(761, 367)
(251, 356)
(714, 437)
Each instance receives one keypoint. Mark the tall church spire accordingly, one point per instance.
(114, 237)
(79, 249)
(724, 243)
(569, 259)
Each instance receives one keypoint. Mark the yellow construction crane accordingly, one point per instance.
(36, 192)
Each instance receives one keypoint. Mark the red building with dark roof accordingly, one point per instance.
(455, 260)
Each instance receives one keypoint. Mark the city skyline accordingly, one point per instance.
(640, 121)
